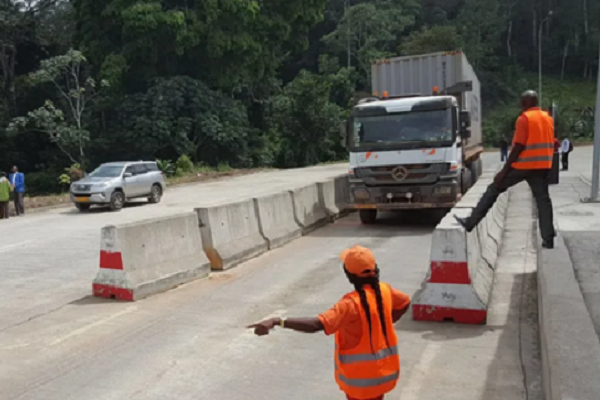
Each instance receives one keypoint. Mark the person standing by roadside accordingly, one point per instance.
(367, 365)
(503, 149)
(17, 181)
(530, 160)
(4, 196)
(566, 148)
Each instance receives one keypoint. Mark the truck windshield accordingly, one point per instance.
(401, 128)
(106, 171)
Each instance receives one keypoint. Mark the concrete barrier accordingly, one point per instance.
(144, 258)
(231, 233)
(570, 349)
(333, 195)
(461, 272)
(276, 218)
(309, 211)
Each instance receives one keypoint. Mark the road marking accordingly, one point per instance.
(12, 246)
(413, 386)
(86, 328)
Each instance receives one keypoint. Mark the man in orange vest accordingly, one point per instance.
(530, 160)
(367, 365)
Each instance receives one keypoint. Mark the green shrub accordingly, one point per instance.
(42, 183)
(184, 165)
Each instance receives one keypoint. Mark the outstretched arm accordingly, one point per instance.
(305, 325)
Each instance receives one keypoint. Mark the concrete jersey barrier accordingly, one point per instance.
(148, 257)
(309, 211)
(461, 272)
(276, 217)
(231, 233)
(333, 196)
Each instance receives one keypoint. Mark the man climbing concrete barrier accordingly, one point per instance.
(276, 218)
(144, 258)
(231, 233)
(461, 273)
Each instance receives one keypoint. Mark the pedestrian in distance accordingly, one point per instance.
(503, 149)
(566, 148)
(367, 365)
(530, 160)
(17, 181)
(4, 196)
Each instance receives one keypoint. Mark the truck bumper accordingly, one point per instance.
(444, 194)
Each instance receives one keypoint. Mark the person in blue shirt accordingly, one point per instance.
(17, 181)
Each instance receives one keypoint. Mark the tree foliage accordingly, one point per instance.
(254, 83)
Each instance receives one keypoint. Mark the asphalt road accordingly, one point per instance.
(190, 343)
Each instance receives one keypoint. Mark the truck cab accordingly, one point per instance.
(408, 153)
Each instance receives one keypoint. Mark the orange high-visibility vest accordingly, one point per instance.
(539, 148)
(372, 368)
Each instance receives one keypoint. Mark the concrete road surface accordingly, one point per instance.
(190, 343)
(48, 260)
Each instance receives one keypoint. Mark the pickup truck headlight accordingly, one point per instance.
(99, 187)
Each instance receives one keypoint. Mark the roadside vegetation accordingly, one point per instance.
(235, 85)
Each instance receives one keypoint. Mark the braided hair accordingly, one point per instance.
(373, 281)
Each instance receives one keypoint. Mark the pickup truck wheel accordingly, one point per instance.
(82, 207)
(368, 216)
(155, 194)
(117, 201)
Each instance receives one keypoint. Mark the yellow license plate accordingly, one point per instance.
(82, 199)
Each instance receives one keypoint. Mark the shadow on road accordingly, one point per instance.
(101, 209)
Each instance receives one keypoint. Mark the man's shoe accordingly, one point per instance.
(463, 222)
(548, 244)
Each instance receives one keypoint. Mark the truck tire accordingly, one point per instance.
(467, 180)
(368, 217)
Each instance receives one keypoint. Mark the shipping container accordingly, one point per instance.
(420, 74)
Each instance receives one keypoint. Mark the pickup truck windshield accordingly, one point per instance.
(106, 171)
(400, 128)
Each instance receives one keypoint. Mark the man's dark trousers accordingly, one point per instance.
(4, 210)
(538, 182)
(565, 161)
(19, 200)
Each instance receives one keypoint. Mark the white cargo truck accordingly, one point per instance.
(417, 143)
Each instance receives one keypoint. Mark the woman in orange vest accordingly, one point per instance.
(367, 365)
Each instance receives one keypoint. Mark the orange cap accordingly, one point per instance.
(359, 261)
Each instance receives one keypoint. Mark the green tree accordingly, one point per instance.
(434, 39)
(183, 115)
(369, 31)
(308, 120)
(76, 91)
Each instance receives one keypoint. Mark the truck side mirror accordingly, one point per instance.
(465, 124)
(343, 134)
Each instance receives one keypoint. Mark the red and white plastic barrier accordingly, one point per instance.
(461, 272)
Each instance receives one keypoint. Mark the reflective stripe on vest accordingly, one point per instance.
(365, 383)
(380, 355)
(539, 149)
(372, 367)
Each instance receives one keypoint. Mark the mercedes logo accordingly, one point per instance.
(399, 174)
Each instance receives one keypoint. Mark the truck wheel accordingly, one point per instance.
(117, 201)
(467, 180)
(368, 216)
